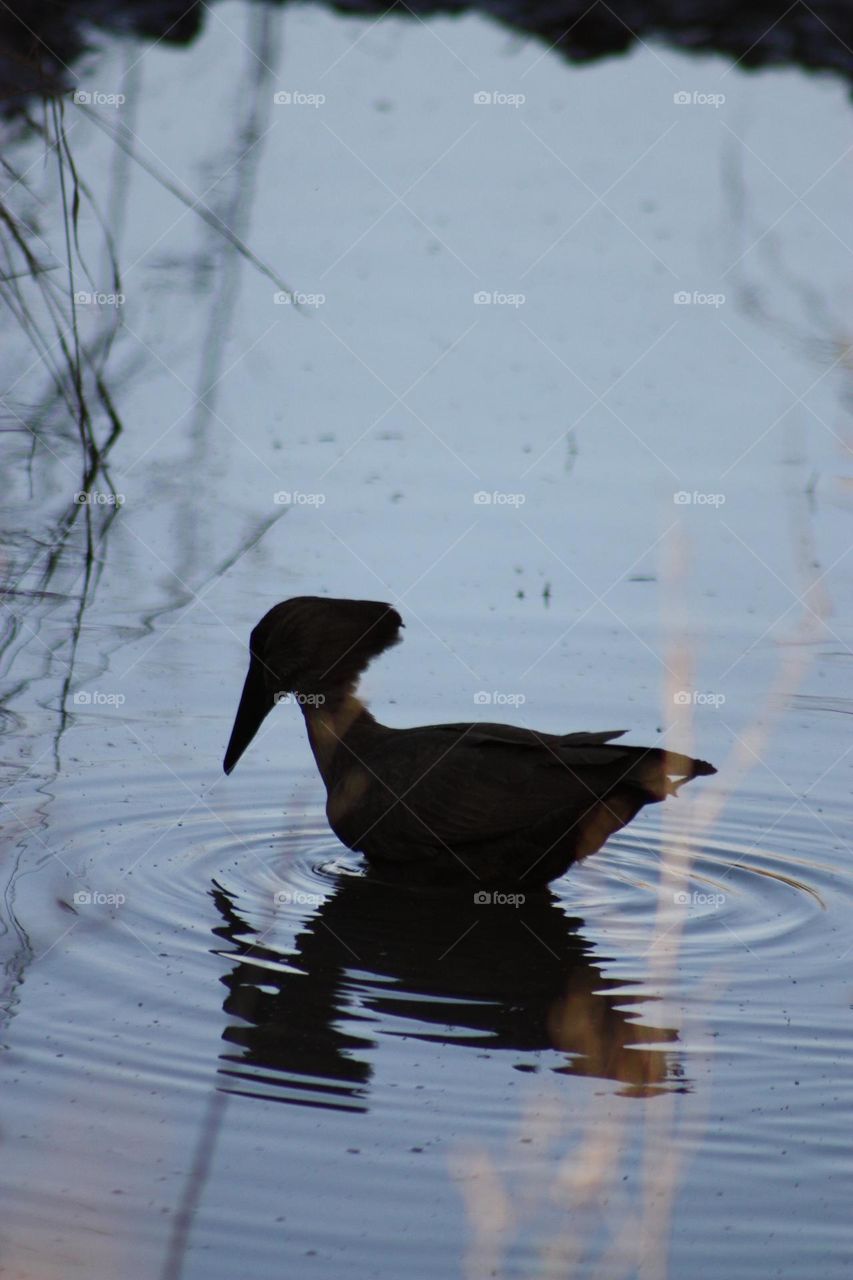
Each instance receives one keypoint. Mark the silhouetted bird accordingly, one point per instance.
(487, 803)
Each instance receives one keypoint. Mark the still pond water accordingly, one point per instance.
(568, 381)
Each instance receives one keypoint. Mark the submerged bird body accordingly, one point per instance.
(482, 803)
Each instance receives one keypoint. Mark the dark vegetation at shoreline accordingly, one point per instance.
(40, 41)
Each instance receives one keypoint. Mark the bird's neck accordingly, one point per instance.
(330, 726)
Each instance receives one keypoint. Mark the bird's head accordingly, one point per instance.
(310, 646)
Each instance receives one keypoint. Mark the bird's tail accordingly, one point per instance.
(660, 773)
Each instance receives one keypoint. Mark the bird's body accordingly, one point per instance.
(478, 803)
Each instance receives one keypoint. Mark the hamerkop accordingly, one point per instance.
(482, 803)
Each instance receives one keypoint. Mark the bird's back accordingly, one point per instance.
(491, 802)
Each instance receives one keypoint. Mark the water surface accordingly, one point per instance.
(228, 1048)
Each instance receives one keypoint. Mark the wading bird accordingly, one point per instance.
(482, 803)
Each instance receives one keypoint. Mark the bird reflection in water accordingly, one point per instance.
(375, 960)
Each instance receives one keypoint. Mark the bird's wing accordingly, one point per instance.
(456, 784)
(485, 734)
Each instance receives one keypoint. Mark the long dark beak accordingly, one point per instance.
(256, 702)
